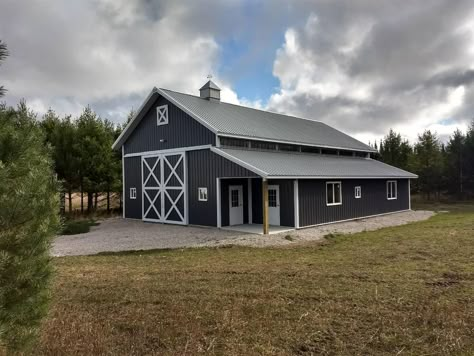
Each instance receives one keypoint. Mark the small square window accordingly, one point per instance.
(391, 189)
(133, 193)
(202, 194)
(358, 192)
(162, 115)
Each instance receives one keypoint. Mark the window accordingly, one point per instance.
(162, 115)
(391, 189)
(233, 142)
(262, 145)
(234, 196)
(283, 147)
(133, 193)
(202, 194)
(358, 192)
(272, 198)
(333, 193)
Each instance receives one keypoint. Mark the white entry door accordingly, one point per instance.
(236, 205)
(274, 205)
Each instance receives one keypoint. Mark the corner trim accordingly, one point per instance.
(123, 182)
(296, 203)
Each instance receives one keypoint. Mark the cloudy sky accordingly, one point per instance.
(361, 66)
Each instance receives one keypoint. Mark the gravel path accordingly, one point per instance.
(114, 235)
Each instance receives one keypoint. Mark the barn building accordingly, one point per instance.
(196, 160)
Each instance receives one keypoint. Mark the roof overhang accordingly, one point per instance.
(256, 161)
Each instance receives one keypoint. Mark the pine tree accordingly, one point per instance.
(454, 164)
(3, 55)
(428, 163)
(28, 221)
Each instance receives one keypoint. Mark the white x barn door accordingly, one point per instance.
(164, 188)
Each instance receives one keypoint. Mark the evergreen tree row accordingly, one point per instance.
(83, 158)
(443, 169)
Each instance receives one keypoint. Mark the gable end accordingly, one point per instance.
(165, 126)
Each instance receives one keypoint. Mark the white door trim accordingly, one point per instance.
(274, 217)
(236, 214)
(249, 189)
(218, 202)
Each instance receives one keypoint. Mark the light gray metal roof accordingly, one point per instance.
(240, 121)
(210, 85)
(278, 164)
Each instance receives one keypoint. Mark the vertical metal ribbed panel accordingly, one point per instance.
(204, 167)
(312, 199)
(133, 179)
(181, 131)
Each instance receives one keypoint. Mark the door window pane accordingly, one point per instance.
(272, 198)
(234, 196)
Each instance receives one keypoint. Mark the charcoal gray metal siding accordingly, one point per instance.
(287, 201)
(133, 179)
(312, 200)
(204, 167)
(181, 131)
(225, 183)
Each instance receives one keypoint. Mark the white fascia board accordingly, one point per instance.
(339, 177)
(239, 162)
(120, 140)
(187, 110)
(254, 138)
(170, 150)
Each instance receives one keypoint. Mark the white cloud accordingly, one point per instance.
(379, 69)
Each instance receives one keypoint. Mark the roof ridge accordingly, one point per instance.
(283, 115)
(251, 108)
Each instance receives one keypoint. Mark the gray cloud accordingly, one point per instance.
(362, 66)
(367, 66)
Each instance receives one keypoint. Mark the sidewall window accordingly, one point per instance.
(392, 190)
(358, 192)
(133, 193)
(202, 194)
(333, 193)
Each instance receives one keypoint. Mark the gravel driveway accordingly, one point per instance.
(117, 234)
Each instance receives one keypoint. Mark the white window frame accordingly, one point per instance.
(358, 192)
(133, 193)
(390, 195)
(333, 193)
(162, 115)
(204, 191)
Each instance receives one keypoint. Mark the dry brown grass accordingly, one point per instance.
(406, 290)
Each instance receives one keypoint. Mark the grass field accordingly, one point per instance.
(406, 290)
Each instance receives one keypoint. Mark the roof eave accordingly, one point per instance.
(368, 150)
